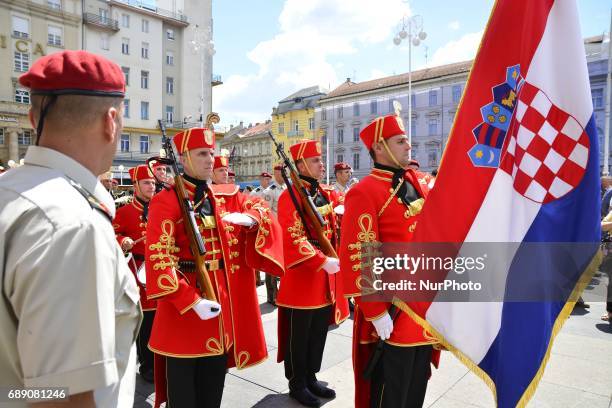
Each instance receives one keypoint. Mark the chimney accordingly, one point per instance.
(241, 124)
(348, 79)
(231, 126)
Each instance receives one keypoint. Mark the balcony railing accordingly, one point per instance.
(150, 6)
(100, 21)
(216, 80)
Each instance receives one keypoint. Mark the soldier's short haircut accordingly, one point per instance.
(372, 154)
(74, 111)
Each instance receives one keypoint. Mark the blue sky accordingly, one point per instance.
(268, 49)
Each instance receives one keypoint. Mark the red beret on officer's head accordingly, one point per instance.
(194, 139)
(382, 128)
(305, 149)
(342, 166)
(140, 172)
(265, 174)
(220, 161)
(74, 73)
(278, 167)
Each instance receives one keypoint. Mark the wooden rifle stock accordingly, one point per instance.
(196, 243)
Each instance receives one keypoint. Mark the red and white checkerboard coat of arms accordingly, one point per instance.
(547, 151)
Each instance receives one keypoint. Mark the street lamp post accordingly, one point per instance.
(411, 31)
(202, 44)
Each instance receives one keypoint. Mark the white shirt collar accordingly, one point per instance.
(45, 157)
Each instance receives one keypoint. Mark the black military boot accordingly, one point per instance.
(319, 389)
(305, 397)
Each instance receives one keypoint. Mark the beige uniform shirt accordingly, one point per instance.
(69, 309)
(271, 195)
(340, 188)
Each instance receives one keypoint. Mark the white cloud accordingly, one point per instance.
(462, 49)
(311, 34)
(454, 25)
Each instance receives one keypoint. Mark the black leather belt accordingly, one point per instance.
(214, 265)
(138, 257)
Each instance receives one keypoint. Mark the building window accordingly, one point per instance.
(391, 107)
(126, 108)
(340, 136)
(355, 161)
(104, 42)
(324, 138)
(22, 61)
(144, 52)
(356, 109)
(456, 93)
(373, 107)
(281, 128)
(125, 21)
(355, 134)
(597, 95)
(311, 124)
(169, 114)
(21, 27)
(413, 100)
(54, 4)
(144, 79)
(296, 126)
(125, 142)
(22, 96)
(413, 124)
(125, 46)
(170, 34)
(144, 110)
(433, 97)
(340, 112)
(145, 26)
(24, 138)
(169, 85)
(433, 158)
(54, 35)
(433, 126)
(1, 136)
(126, 73)
(144, 143)
(340, 158)
(169, 58)
(323, 114)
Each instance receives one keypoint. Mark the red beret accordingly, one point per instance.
(231, 173)
(278, 167)
(114, 181)
(74, 73)
(342, 166)
(265, 174)
(220, 161)
(141, 172)
(382, 128)
(305, 149)
(194, 139)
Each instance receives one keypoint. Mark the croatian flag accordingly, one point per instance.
(521, 166)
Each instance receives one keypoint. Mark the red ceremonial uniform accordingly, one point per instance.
(238, 331)
(375, 214)
(129, 223)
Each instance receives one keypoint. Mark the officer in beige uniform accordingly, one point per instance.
(69, 309)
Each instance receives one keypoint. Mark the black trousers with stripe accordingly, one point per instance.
(195, 382)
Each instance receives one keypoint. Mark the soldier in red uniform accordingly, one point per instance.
(384, 207)
(231, 177)
(220, 172)
(201, 338)
(310, 296)
(130, 225)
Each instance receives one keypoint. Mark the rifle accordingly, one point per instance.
(196, 243)
(308, 210)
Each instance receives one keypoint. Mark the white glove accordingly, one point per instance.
(383, 326)
(207, 309)
(239, 219)
(331, 265)
(339, 210)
